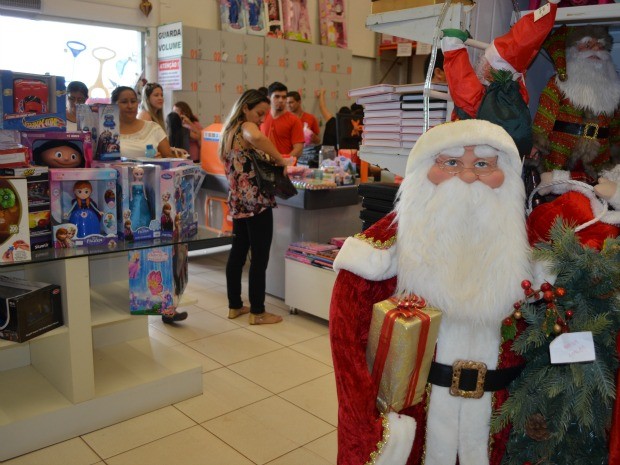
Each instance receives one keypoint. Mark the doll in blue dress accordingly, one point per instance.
(138, 202)
(84, 213)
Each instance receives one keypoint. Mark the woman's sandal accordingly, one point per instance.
(235, 312)
(264, 318)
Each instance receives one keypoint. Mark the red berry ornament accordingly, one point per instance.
(548, 296)
(525, 284)
(569, 314)
(508, 321)
(560, 292)
(545, 287)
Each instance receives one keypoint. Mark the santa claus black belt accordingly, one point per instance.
(466, 378)
(588, 130)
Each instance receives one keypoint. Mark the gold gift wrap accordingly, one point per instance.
(401, 342)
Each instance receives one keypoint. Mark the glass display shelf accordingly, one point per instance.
(204, 239)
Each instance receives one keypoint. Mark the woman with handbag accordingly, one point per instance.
(250, 205)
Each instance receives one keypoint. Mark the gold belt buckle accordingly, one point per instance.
(457, 367)
(586, 129)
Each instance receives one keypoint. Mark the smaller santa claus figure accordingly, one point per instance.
(457, 238)
(576, 129)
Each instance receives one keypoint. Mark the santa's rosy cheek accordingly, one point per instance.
(437, 175)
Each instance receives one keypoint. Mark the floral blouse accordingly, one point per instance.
(244, 198)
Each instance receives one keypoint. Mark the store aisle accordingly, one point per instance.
(269, 394)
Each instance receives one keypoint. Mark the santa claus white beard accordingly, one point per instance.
(463, 247)
(592, 84)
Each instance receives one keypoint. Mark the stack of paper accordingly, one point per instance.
(394, 114)
(313, 253)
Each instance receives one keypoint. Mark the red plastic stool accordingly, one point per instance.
(217, 215)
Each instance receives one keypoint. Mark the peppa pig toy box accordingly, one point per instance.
(32, 102)
(83, 205)
(157, 278)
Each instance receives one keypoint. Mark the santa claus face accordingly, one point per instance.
(469, 164)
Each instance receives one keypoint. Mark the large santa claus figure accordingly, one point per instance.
(456, 238)
(576, 128)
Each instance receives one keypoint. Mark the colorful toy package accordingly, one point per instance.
(178, 192)
(103, 123)
(59, 150)
(32, 102)
(163, 163)
(14, 234)
(157, 278)
(139, 201)
(83, 205)
(39, 218)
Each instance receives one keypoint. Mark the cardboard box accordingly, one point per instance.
(104, 125)
(39, 218)
(28, 309)
(14, 232)
(178, 188)
(59, 150)
(382, 6)
(83, 205)
(32, 102)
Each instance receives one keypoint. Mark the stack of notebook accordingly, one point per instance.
(313, 253)
(377, 201)
(394, 114)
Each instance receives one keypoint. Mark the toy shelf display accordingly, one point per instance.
(100, 367)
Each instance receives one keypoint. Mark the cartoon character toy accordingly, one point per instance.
(84, 212)
(58, 154)
(138, 202)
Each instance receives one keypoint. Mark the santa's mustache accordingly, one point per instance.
(602, 55)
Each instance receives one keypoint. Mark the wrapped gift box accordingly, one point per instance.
(401, 346)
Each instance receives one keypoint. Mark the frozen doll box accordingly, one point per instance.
(177, 187)
(103, 123)
(83, 204)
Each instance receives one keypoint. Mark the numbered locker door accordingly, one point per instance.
(295, 80)
(330, 60)
(253, 76)
(209, 44)
(227, 102)
(232, 78)
(276, 53)
(273, 74)
(312, 85)
(254, 50)
(209, 79)
(232, 47)
(209, 108)
(345, 61)
(314, 57)
(190, 43)
(329, 82)
(191, 98)
(189, 74)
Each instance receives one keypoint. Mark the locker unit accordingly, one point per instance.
(209, 44)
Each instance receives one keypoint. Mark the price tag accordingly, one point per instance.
(572, 348)
(405, 49)
(423, 49)
(542, 11)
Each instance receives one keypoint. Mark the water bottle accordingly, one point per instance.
(150, 151)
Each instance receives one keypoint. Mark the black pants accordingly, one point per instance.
(252, 234)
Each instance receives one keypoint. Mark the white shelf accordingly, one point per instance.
(308, 288)
(419, 23)
(608, 14)
(395, 162)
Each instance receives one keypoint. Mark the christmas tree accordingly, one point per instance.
(561, 413)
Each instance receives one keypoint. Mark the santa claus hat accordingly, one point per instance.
(565, 37)
(460, 134)
(519, 46)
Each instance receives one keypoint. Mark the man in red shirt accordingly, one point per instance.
(282, 127)
(308, 120)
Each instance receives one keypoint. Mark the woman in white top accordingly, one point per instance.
(152, 105)
(136, 134)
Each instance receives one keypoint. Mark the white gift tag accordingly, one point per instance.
(542, 11)
(572, 348)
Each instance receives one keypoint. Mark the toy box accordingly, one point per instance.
(157, 278)
(381, 6)
(28, 309)
(139, 202)
(103, 123)
(32, 102)
(38, 191)
(59, 150)
(178, 216)
(83, 204)
(14, 234)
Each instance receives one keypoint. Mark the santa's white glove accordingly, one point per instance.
(607, 187)
(453, 39)
(552, 176)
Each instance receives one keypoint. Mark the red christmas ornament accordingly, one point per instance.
(525, 284)
(548, 296)
(517, 305)
(528, 292)
(560, 292)
(569, 314)
(545, 287)
(508, 321)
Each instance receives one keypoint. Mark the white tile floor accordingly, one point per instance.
(269, 394)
